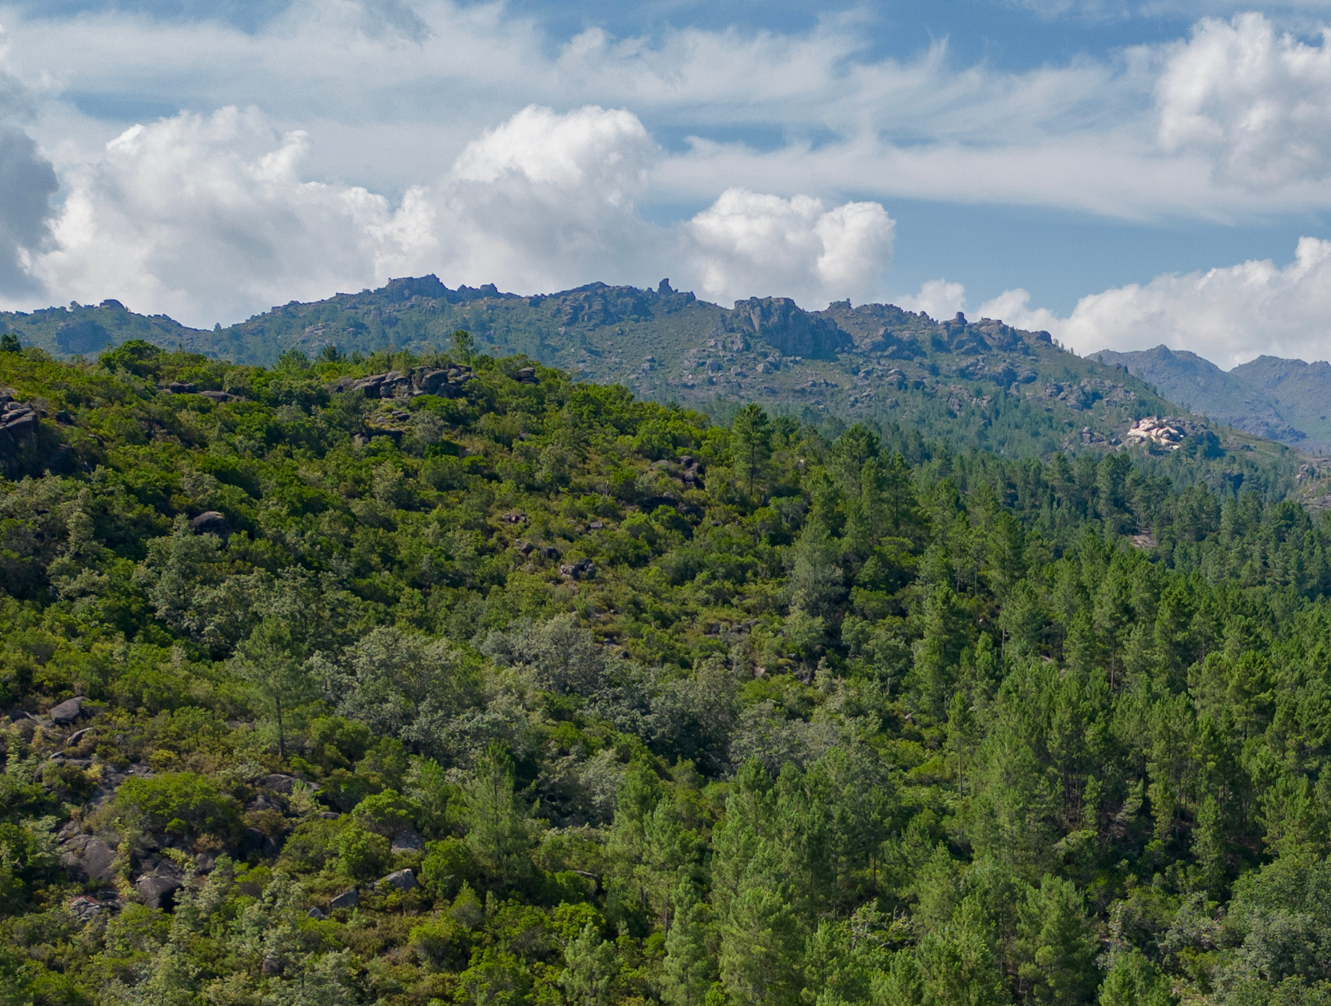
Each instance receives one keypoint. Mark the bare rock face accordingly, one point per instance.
(209, 522)
(403, 880)
(87, 857)
(409, 384)
(278, 783)
(158, 890)
(67, 712)
(407, 842)
(88, 906)
(779, 322)
(349, 898)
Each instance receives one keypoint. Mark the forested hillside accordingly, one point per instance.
(979, 385)
(448, 679)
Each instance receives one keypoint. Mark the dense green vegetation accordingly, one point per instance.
(977, 385)
(654, 710)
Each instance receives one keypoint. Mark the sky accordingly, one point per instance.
(1120, 173)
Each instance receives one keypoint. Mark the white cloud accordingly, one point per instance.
(210, 218)
(747, 244)
(1013, 307)
(1256, 101)
(386, 107)
(1227, 315)
(937, 298)
(547, 201)
(207, 218)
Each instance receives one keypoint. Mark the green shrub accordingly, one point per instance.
(312, 845)
(387, 813)
(363, 855)
(448, 865)
(442, 942)
(181, 803)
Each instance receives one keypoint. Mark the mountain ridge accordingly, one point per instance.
(984, 384)
(1273, 397)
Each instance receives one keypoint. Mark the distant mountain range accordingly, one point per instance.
(1284, 400)
(973, 384)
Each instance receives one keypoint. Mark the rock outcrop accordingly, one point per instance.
(88, 857)
(779, 322)
(409, 383)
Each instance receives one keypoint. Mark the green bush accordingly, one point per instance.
(448, 865)
(363, 855)
(180, 803)
(442, 942)
(387, 813)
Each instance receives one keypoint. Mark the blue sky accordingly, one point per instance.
(1122, 173)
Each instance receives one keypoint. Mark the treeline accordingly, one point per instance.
(528, 692)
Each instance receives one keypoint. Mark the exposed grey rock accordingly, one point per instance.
(87, 857)
(209, 522)
(408, 841)
(580, 569)
(780, 323)
(87, 906)
(403, 880)
(349, 898)
(272, 966)
(67, 711)
(278, 783)
(316, 913)
(158, 890)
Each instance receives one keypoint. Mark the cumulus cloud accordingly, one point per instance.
(210, 218)
(1256, 101)
(1014, 307)
(207, 217)
(27, 182)
(547, 200)
(1227, 315)
(937, 298)
(749, 244)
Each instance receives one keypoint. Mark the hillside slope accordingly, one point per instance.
(976, 385)
(1284, 400)
(506, 688)
(1301, 392)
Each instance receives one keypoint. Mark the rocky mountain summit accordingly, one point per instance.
(973, 383)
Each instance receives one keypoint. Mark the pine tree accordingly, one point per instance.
(590, 969)
(689, 968)
(498, 819)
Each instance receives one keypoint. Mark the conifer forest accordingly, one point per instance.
(449, 679)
